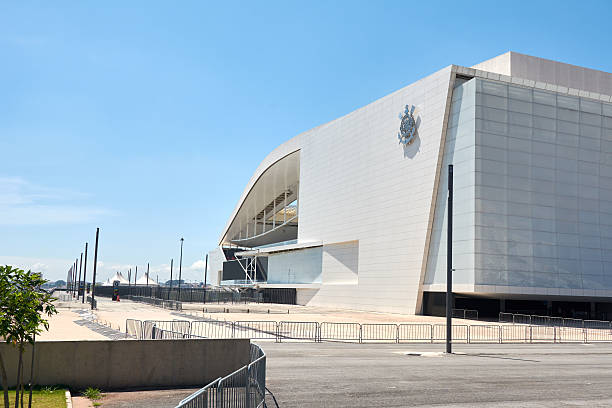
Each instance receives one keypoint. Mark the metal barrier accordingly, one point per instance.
(89, 299)
(298, 331)
(484, 333)
(515, 334)
(521, 319)
(213, 329)
(255, 330)
(133, 328)
(597, 335)
(379, 332)
(244, 388)
(553, 321)
(166, 304)
(414, 333)
(360, 333)
(340, 331)
(465, 314)
(460, 333)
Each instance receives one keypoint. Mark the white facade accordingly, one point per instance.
(532, 185)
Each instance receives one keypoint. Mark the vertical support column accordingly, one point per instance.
(274, 214)
(449, 263)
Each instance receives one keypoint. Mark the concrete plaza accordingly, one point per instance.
(68, 324)
(330, 374)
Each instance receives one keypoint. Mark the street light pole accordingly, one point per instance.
(171, 266)
(180, 271)
(79, 283)
(93, 282)
(84, 275)
(449, 263)
(76, 274)
(205, 276)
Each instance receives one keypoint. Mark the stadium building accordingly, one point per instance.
(352, 214)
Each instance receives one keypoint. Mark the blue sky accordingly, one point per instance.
(147, 118)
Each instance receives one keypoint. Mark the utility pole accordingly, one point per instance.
(449, 264)
(180, 271)
(93, 282)
(84, 275)
(171, 263)
(79, 284)
(76, 274)
(205, 276)
(147, 274)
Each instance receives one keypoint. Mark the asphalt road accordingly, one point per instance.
(382, 375)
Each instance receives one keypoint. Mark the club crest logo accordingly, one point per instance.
(408, 126)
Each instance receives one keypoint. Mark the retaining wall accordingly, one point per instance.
(122, 364)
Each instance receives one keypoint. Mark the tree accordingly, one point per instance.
(23, 307)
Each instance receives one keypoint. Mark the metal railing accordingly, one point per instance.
(465, 314)
(89, 299)
(203, 295)
(362, 333)
(166, 304)
(536, 320)
(244, 388)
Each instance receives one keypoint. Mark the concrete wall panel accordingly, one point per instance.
(128, 363)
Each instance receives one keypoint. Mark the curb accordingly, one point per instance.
(68, 399)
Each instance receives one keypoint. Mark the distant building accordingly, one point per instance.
(352, 213)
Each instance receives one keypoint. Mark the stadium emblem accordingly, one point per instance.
(408, 128)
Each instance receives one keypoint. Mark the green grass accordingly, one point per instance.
(92, 393)
(47, 397)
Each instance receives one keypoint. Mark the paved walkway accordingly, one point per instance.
(101, 329)
(145, 399)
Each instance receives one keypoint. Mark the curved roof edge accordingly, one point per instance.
(290, 146)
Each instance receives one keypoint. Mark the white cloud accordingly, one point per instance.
(39, 267)
(25, 203)
(55, 268)
(52, 268)
(198, 265)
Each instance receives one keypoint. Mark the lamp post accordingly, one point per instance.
(449, 263)
(76, 275)
(79, 282)
(180, 271)
(93, 282)
(205, 276)
(171, 265)
(84, 275)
